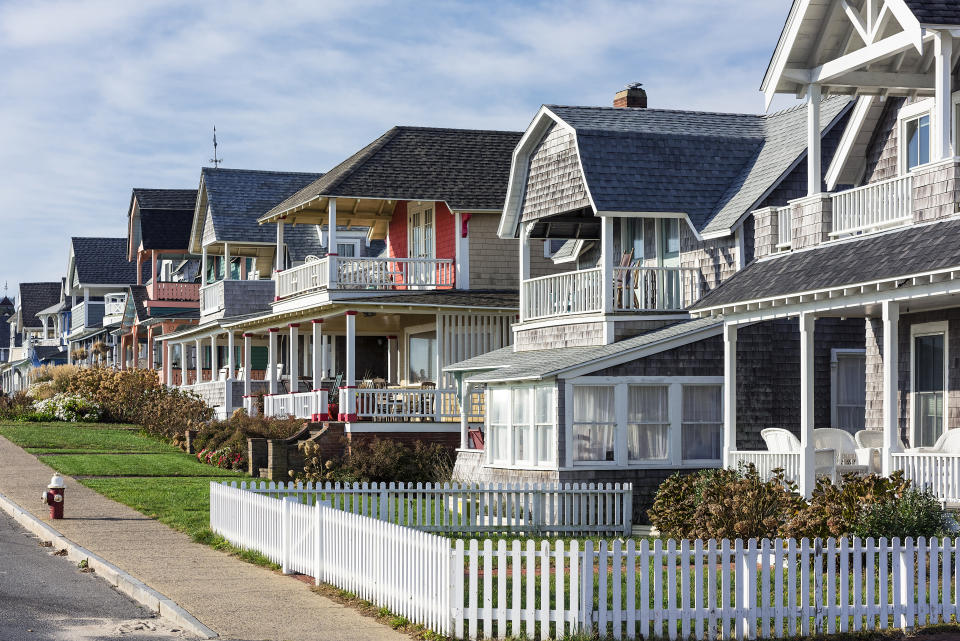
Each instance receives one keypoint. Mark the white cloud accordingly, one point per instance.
(97, 97)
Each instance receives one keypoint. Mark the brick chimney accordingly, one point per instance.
(632, 96)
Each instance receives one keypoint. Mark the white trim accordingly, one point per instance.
(835, 354)
(848, 139)
(429, 427)
(907, 114)
(576, 319)
(929, 329)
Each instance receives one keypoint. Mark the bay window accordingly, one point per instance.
(520, 426)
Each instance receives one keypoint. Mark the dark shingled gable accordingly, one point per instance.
(103, 261)
(165, 228)
(178, 199)
(913, 250)
(942, 12)
(466, 168)
(35, 297)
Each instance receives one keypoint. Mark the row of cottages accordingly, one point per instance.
(419, 280)
(735, 283)
(32, 337)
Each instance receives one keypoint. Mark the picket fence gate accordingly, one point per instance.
(570, 508)
(701, 589)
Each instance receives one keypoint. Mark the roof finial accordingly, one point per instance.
(215, 160)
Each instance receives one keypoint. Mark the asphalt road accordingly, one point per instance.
(44, 597)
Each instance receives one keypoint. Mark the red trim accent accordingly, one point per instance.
(350, 313)
(316, 321)
(323, 416)
(332, 254)
(294, 325)
(276, 298)
(342, 418)
(274, 329)
(351, 418)
(316, 390)
(247, 335)
(348, 387)
(464, 219)
(391, 338)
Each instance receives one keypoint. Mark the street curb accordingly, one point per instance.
(133, 588)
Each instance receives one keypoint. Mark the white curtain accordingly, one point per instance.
(648, 419)
(543, 417)
(702, 436)
(851, 392)
(594, 422)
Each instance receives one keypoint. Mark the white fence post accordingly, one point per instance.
(285, 535)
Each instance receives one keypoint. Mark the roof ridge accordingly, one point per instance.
(648, 110)
(260, 171)
(458, 129)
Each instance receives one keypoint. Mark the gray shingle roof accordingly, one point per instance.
(238, 197)
(165, 228)
(505, 364)
(35, 297)
(49, 353)
(467, 168)
(178, 199)
(103, 261)
(936, 11)
(712, 166)
(912, 250)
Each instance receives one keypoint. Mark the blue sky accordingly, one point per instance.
(99, 96)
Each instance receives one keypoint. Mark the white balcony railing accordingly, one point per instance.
(114, 305)
(937, 471)
(305, 405)
(211, 298)
(407, 404)
(367, 273)
(577, 292)
(655, 288)
(873, 207)
(784, 227)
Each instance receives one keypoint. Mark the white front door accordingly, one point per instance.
(420, 243)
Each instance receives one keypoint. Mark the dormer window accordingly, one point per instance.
(915, 129)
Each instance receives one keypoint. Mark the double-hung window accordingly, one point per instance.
(915, 126)
(702, 435)
(928, 381)
(521, 426)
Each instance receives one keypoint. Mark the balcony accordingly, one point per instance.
(380, 274)
(873, 207)
(633, 289)
(85, 315)
(168, 291)
(227, 298)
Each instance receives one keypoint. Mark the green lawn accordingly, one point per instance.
(161, 465)
(181, 503)
(68, 437)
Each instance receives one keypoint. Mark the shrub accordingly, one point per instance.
(916, 513)
(225, 457)
(377, 460)
(67, 407)
(119, 393)
(168, 411)
(16, 406)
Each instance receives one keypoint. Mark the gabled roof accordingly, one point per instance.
(913, 250)
(938, 12)
(507, 365)
(236, 198)
(466, 168)
(713, 167)
(176, 199)
(35, 297)
(165, 228)
(103, 261)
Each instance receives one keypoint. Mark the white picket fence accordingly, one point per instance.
(474, 508)
(701, 590)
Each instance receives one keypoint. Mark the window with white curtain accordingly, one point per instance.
(849, 389)
(702, 426)
(499, 417)
(544, 425)
(594, 423)
(521, 425)
(648, 422)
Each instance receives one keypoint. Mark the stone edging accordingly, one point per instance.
(134, 588)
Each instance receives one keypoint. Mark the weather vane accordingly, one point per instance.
(216, 160)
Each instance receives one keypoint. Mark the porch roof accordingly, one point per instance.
(466, 168)
(908, 252)
(507, 365)
(940, 12)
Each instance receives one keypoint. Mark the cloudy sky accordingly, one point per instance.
(99, 96)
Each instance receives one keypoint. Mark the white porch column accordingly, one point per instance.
(942, 105)
(272, 359)
(891, 357)
(279, 262)
(226, 261)
(807, 467)
(466, 389)
(214, 359)
(247, 351)
(231, 356)
(203, 266)
(183, 364)
(729, 393)
(392, 366)
(294, 350)
(524, 270)
(317, 327)
(168, 363)
(606, 263)
(199, 364)
(813, 140)
(350, 411)
(332, 242)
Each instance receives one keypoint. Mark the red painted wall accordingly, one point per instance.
(446, 224)
(397, 232)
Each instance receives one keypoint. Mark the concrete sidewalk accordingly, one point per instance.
(236, 599)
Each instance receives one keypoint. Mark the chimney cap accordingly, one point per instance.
(635, 85)
(633, 95)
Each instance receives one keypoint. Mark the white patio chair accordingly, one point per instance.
(948, 443)
(846, 457)
(778, 439)
(870, 449)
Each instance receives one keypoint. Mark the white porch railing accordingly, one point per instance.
(577, 292)
(211, 298)
(114, 307)
(306, 405)
(874, 206)
(767, 462)
(655, 288)
(784, 227)
(936, 471)
(303, 278)
(407, 404)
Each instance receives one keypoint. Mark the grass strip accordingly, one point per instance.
(159, 465)
(84, 437)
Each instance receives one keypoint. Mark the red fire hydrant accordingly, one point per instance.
(54, 496)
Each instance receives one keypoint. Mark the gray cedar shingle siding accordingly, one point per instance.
(209, 232)
(882, 148)
(907, 251)
(554, 182)
(466, 168)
